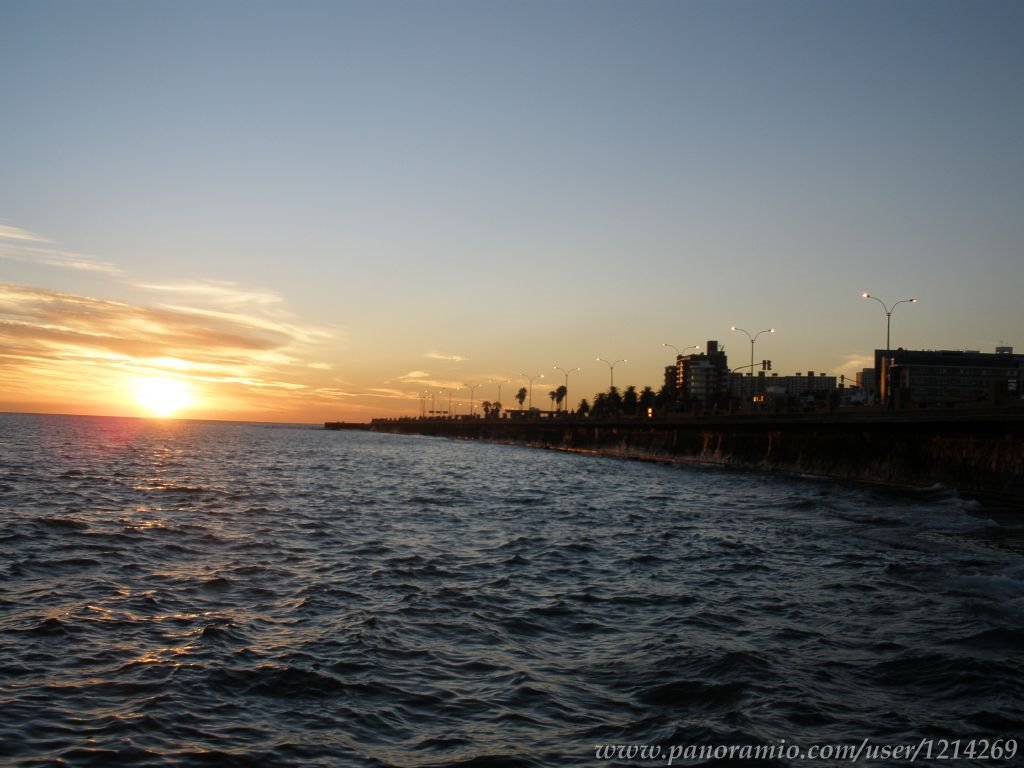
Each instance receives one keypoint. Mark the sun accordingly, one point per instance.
(162, 397)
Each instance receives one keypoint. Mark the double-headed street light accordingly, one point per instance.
(450, 391)
(530, 379)
(888, 327)
(611, 369)
(888, 313)
(752, 340)
(572, 370)
(680, 354)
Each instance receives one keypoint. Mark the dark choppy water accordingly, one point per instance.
(182, 594)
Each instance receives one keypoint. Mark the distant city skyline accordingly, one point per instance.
(319, 210)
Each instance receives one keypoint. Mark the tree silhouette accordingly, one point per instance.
(666, 395)
(552, 394)
(521, 397)
(614, 401)
(630, 401)
(583, 409)
(560, 394)
(648, 399)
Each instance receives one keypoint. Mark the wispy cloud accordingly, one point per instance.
(20, 235)
(335, 394)
(447, 358)
(258, 322)
(236, 304)
(421, 379)
(217, 291)
(394, 394)
(18, 244)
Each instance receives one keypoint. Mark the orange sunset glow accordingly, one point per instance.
(77, 354)
(340, 211)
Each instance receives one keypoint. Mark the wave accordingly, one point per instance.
(231, 595)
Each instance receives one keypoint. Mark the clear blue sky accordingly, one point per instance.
(349, 202)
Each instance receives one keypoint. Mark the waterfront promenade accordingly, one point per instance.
(978, 452)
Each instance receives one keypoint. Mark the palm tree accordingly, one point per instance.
(552, 394)
(629, 401)
(614, 401)
(486, 406)
(521, 397)
(560, 394)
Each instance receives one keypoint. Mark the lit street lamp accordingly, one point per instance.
(888, 326)
(752, 340)
(531, 378)
(611, 369)
(566, 382)
(680, 354)
(888, 314)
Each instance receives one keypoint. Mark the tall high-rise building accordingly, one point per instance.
(704, 377)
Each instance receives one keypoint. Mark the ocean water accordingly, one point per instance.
(215, 594)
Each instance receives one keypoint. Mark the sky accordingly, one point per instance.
(309, 211)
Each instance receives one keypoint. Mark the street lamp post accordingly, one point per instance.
(888, 314)
(504, 381)
(752, 340)
(680, 354)
(530, 379)
(472, 395)
(611, 369)
(679, 358)
(888, 327)
(573, 370)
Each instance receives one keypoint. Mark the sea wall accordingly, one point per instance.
(977, 454)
